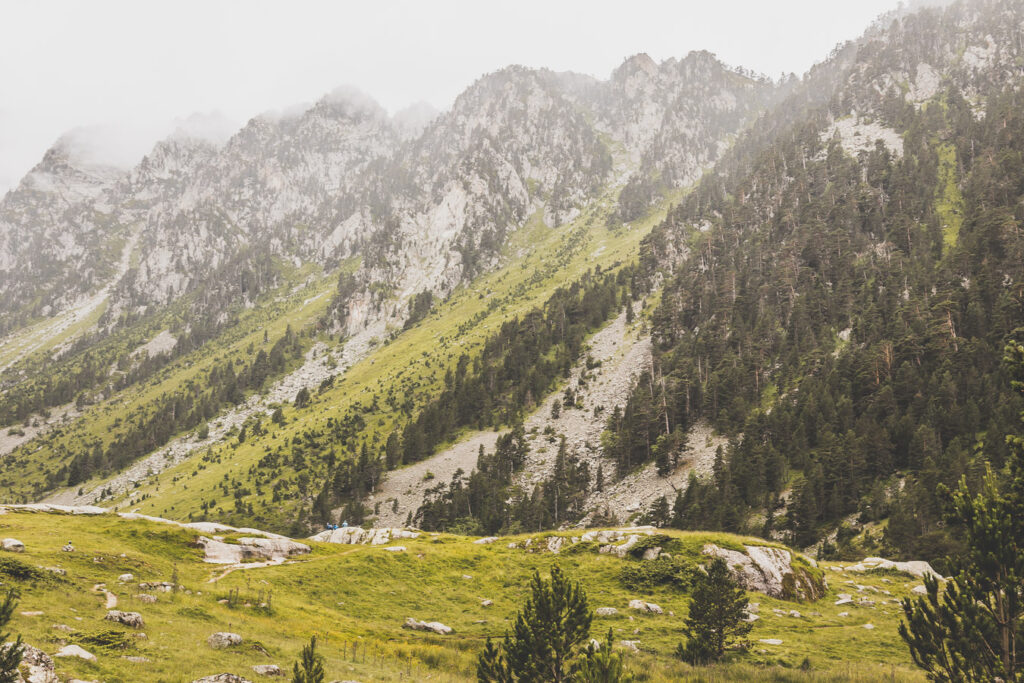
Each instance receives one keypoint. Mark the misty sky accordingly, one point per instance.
(133, 67)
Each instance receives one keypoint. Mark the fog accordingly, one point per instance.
(128, 73)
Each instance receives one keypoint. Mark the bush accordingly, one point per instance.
(671, 572)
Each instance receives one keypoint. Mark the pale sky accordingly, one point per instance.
(134, 67)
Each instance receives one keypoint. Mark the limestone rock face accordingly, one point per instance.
(768, 570)
(133, 619)
(223, 639)
(918, 568)
(247, 549)
(353, 535)
(433, 626)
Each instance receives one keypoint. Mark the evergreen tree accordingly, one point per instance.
(547, 638)
(973, 631)
(601, 665)
(716, 615)
(10, 657)
(310, 667)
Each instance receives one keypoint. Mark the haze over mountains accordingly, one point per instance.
(685, 296)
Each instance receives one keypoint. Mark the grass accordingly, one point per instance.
(949, 200)
(355, 599)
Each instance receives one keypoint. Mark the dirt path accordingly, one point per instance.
(111, 599)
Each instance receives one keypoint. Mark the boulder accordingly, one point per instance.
(13, 545)
(75, 651)
(869, 626)
(770, 641)
(652, 553)
(433, 626)
(133, 619)
(36, 666)
(222, 678)
(486, 603)
(605, 612)
(555, 544)
(631, 645)
(146, 598)
(125, 578)
(768, 570)
(487, 540)
(395, 549)
(642, 606)
(268, 670)
(223, 639)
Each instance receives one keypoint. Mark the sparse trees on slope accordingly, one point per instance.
(973, 630)
(716, 615)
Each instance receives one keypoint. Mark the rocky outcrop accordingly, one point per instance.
(36, 666)
(353, 535)
(918, 568)
(133, 619)
(770, 571)
(223, 639)
(249, 549)
(222, 678)
(432, 626)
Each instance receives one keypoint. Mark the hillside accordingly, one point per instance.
(335, 592)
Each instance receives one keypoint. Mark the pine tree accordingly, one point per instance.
(10, 656)
(312, 665)
(601, 665)
(716, 615)
(547, 638)
(972, 631)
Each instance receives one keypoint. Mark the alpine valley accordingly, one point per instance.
(357, 375)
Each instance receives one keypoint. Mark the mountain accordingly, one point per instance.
(685, 297)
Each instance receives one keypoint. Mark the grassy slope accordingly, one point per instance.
(949, 200)
(298, 308)
(359, 596)
(540, 259)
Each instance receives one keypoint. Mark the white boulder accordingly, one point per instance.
(433, 626)
(75, 651)
(223, 639)
(13, 545)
